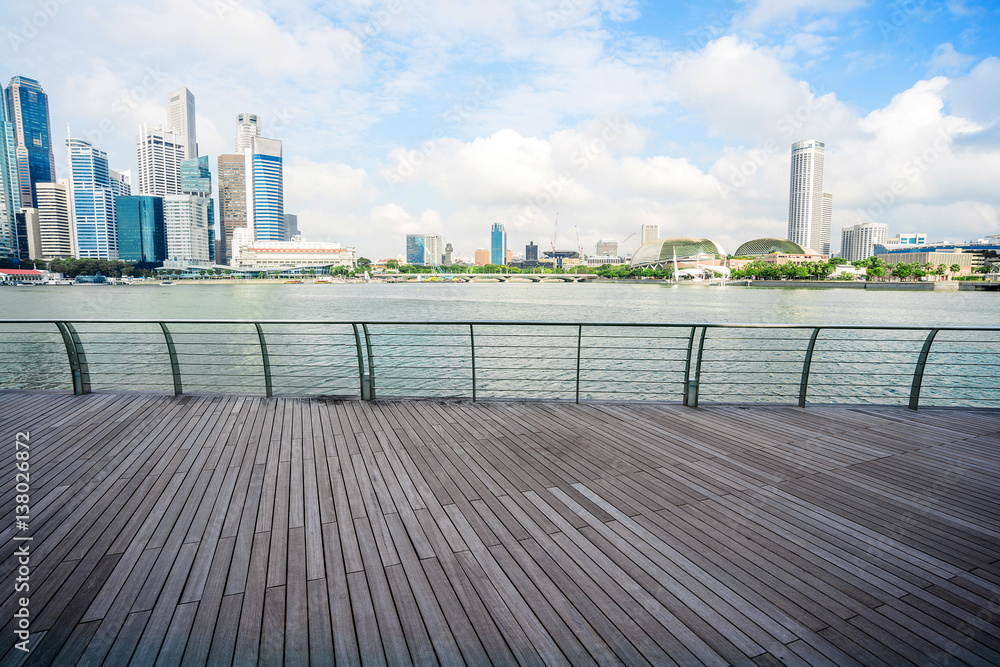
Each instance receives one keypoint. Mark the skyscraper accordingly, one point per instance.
(232, 203)
(265, 190)
(606, 248)
(10, 189)
(196, 179)
(28, 110)
(142, 235)
(434, 246)
(180, 119)
(808, 219)
(416, 249)
(858, 242)
(498, 245)
(121, 182)
(29, 238)
(531, 252)
(159, 154)
(291, 226)
(54, 221)
(185, 218)
(650, 233)
(93, 201)
(247, 127)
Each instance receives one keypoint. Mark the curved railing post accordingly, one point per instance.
(579, 342)
(691, 399)
(371, 363)
(918, 370)
(79, 370)
(472, 354)
(175, 366)
(362, 378)
(687, 366)
(265, 360)
(806, 365)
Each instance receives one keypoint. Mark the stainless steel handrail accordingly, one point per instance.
(575, 361)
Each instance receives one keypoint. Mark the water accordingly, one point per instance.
(535, 361)
(505, 301)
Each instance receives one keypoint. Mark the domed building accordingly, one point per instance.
(761, 247)
(660, 253)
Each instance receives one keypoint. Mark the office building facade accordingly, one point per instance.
(28, 111)
(180, 119)
(185, 220)
(232, 203)
(810, 210)
(650, 233)
(498, 245)
(482, 257)
(265, 190)
(92, 200)
(531, 252)
(142, 235)
(416, 249)
(159, 153)
(291, 226)
(29, 237)
(247, 127)
(434, 247)
(606, 248)
(858, 242)
(10, 189)
(54, 219)
(196, 179)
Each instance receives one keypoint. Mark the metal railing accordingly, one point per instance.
(687, 363)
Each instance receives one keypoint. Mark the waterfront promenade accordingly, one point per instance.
(242, 530)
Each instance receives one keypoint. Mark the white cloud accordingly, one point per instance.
(763, 13)
(946, 60)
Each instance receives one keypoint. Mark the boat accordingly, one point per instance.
(167, 282)
(293, 282)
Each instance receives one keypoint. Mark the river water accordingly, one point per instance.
(600, 302)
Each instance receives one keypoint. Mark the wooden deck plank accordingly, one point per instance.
(242, 530)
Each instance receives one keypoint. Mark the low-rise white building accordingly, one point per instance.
(291, 254)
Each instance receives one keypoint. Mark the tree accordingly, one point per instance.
(392, 264)
(902, 271)
(364, 263)
(955, 269)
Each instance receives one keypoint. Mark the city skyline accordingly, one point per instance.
(668, 116)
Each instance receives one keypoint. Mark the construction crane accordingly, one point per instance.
(621, 245)
(579, 248)
(555, 232)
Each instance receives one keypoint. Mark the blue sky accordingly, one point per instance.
(438, 116)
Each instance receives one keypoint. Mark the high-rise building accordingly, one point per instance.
(232, 203)
(93, 201)
(180, 119)
(291, 226)
(159, 154)
(196, 179)
(498, 245)
(531, 252)
(142, 235)
(185, 219)
(909, 238)
(29, 237)
(416, 249)
(265, 190)
(809, 208)
(606, 248)
(247, 127)
(121, 182)
(434, 246)
(10, 189)
(650, 233)
(28, 111)
(858, 242)
(448, 252)
(54, 220)
(482, 257)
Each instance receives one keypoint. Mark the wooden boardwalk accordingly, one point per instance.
(234, 530)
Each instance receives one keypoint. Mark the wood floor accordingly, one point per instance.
(236, 530)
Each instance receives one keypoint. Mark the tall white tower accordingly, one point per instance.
(180, 119)
(650, 233)
(809, 210)
(159, 154)
(247, 127)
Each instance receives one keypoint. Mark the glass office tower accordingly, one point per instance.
(28, 110)
(142, 236)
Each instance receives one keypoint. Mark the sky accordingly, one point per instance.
(568, 121)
